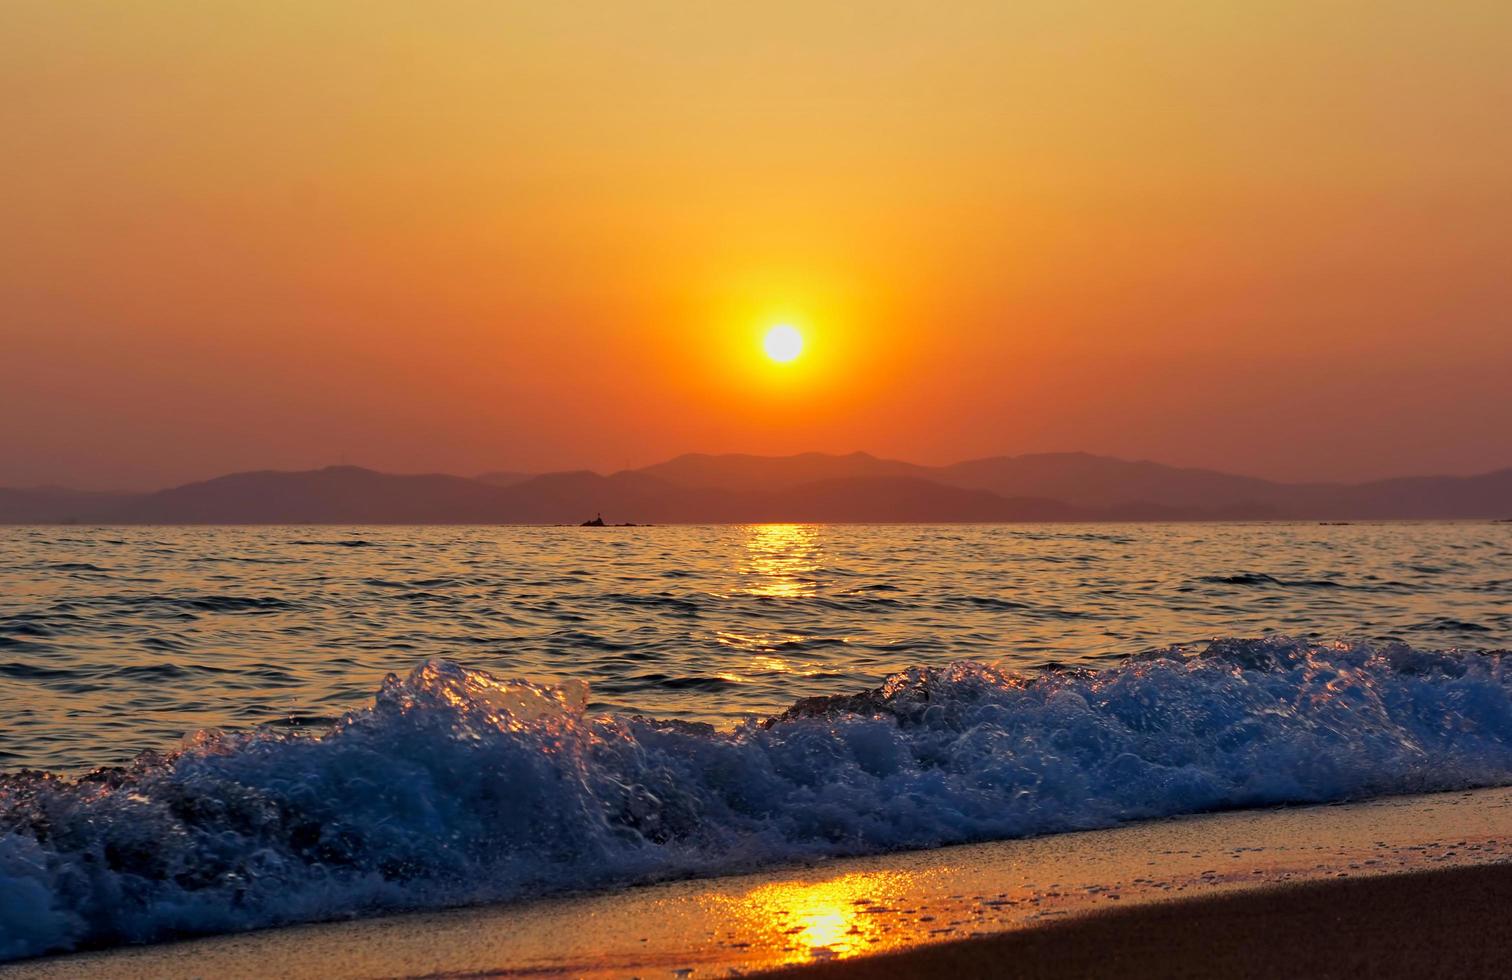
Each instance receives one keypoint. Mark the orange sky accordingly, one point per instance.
(1273, 238)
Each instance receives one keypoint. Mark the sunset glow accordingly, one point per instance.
(461, 237)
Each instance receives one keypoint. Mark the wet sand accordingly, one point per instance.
(1374, 873)
(1424, 924)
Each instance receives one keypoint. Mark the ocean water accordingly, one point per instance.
(568, 708)
(116, 640)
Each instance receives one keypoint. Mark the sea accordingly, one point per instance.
(206, 729)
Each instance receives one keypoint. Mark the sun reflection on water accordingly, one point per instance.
(827, 919)
(780, 560)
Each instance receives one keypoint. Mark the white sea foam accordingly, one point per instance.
(455, 786)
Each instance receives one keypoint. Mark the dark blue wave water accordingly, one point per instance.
(455, 786)
(116, 640)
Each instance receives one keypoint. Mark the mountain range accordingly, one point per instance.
(810, 487)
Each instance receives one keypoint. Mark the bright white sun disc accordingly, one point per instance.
(783, 343)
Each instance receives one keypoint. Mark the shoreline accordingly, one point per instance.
(1449, 923)
(913, 903)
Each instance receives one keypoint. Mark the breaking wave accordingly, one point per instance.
(456, 786)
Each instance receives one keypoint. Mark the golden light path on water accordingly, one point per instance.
(806, 920)
(781, 560)
(778, 561)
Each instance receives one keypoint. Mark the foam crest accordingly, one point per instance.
(456, 786)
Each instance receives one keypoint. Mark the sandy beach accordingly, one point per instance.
(1407, 883)
(1449, 923)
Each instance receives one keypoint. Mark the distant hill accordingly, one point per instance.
(1102, 481)
(1122, 489)
(897, 499)
(741, 488)
(567, 498)
(502, 478)
(640, 497)
(741, 472)
(1424, 497)
(336, 494)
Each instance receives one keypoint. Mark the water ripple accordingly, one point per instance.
(121, 639)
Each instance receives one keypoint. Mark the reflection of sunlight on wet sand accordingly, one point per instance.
(780, 560)
(824, 919)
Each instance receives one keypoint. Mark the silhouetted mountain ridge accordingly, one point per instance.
(817, 487)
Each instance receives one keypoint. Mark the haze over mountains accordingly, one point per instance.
(817, 487)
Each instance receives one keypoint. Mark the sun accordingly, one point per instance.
(783, 343)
